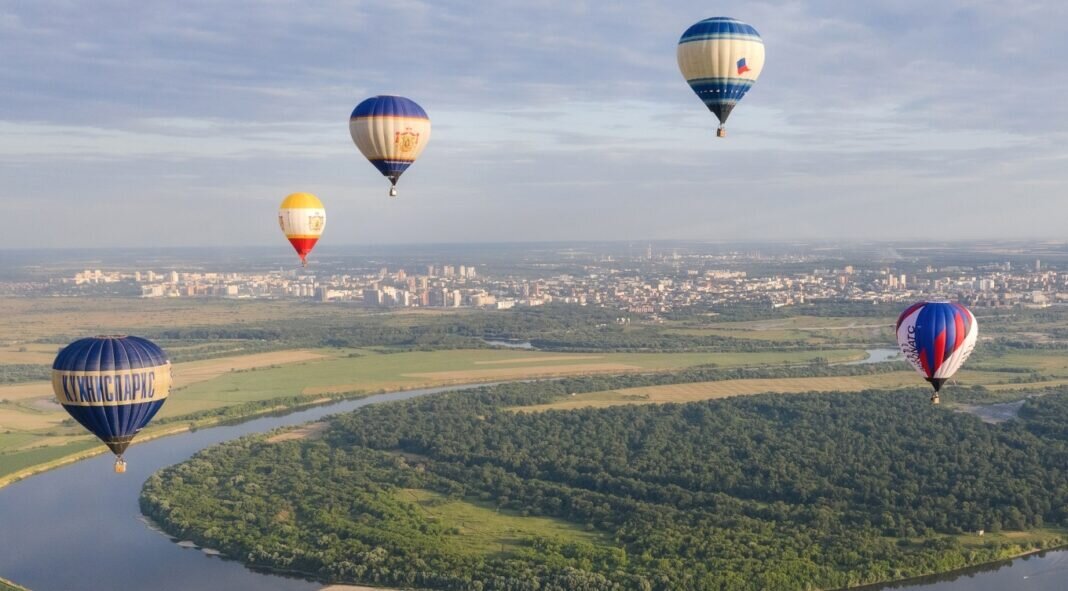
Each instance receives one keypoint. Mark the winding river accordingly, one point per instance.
(80, 527)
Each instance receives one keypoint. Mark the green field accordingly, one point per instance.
(14, 462)
(33, 431)
(374, 372)
(681, 393)
(812, 330)
(481, 529)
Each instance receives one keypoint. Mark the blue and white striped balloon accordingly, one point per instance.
(721, 58)
(391, 132)
(113, 385)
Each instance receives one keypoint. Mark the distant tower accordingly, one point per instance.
(1038, 265)
(649, 252)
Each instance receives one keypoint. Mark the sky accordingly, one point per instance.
(185, 124)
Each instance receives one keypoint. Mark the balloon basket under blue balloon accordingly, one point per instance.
(120, 465)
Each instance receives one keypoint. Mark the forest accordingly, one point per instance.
(788, 492)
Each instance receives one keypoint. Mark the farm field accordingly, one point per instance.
(682, 393)
(59, 320)
(375, 372)
(814, 330)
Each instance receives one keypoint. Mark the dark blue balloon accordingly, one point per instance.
(112, 385)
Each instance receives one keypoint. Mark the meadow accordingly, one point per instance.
(34, 430)
(488, 530)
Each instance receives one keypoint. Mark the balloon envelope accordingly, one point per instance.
(112, 385)
(302, 219)
(721, 58)
(937, 338)
(391, 132)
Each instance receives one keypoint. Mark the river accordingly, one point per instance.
(80, 527)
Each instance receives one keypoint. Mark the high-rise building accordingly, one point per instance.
(372, 297)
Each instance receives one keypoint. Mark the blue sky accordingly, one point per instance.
(162, 123)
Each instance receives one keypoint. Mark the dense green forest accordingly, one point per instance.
(762, 492)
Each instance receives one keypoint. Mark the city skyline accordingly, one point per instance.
(556, 122)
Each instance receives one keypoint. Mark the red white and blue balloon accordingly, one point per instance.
(937, 338)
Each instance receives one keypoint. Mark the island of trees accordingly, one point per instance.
(786, 492)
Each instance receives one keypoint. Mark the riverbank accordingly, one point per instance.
(6, 585)
(1061, 544)
(187, 426)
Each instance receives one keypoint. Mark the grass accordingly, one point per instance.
(483, 530)
(681, 393)
(6, 585)
(1035, 537)
(23, 320)
(813, 330)
(28, 424)
(14, 440)
(374, 372)
(32, 431)
(39, 353)
(14, 462)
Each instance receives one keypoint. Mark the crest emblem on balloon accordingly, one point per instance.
(302, 218)
(407, 140)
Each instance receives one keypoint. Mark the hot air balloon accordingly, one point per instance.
(112, 385)
(391, 131)
(721, 58)
(937, 338)
(302, 219)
